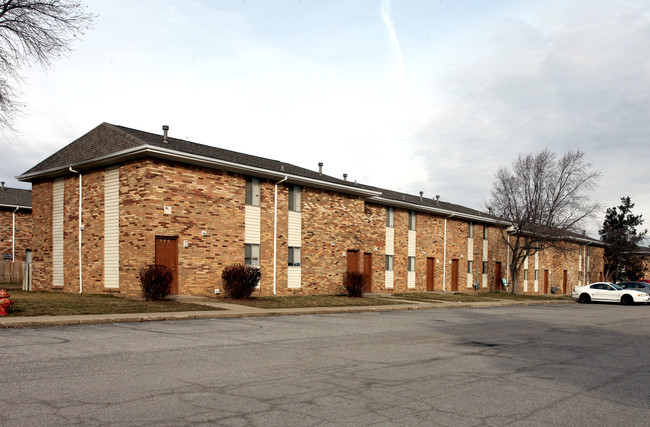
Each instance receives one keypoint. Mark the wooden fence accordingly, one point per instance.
(11, 272)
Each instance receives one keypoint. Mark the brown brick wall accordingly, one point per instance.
(23, 233)
(213, 201)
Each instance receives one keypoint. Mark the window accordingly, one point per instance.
(252, 255)
(485, 267)
(390, 217)
(485, 232)
(411, 263)
(470, 230)
(295, 198)
(389, 262)
(412, 216)
(294, 256)
(469, 266)
(252, 191)
(525, 274)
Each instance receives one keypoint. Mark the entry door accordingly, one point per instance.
(367, 272)
(498, 280)
(545, 281)
(431, 269)
(454, 275)
(565, 277)
(167, 255)
(353, 261)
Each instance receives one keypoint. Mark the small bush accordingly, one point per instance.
(353, 282)
(155, 281)
(239, 281)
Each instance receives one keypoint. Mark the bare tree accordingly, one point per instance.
(544, 200)
(34, 32)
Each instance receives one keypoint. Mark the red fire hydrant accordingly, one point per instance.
(6, 304)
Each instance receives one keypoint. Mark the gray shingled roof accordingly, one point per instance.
(15, 197)
(107, 139)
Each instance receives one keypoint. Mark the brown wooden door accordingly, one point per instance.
(367, 272)
(498, 280)
(167, 255)
(565, 280)
(353, 261)
(545, 281)
(431, 269)
(454, 275)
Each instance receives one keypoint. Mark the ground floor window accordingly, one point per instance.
(389, 262)
(252, 255)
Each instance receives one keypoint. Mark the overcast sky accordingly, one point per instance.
(408, 95)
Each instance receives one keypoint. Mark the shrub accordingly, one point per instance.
(155, 281)
(239, 281)
(353, 282)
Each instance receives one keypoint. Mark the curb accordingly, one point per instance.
(93, 319)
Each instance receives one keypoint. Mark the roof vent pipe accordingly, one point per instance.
(421, 194)
(345, 177)
(3, 185)
(165, 129)
(437, 199)
(490, 210)
(320, 168)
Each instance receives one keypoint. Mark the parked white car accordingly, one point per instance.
(605, 291)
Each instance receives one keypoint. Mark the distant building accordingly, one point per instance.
(15, 223)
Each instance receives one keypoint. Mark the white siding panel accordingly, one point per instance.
(294, 277)
(57, 233)
(253, 215)
(536, 270)
(485, 250)
(295, 229)
(411, 279)
(411, 242)
(112, 228)
(390, 242)
(470, 249)
(525, 267)
(389, 280)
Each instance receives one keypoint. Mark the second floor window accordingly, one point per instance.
(470, 228)
(253, 191)
(390, 217)
(412, 216)
(295, 198)
(294, 256)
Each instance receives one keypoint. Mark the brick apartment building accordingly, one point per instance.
(15, 223)
(117, 198)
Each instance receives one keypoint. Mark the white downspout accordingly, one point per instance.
(275, 232)
(444, 258)
(13, 236)
(80, 229)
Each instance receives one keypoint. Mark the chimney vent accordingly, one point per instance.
(437, 199)
(3, 185)
(421, 194)
(345, 177)
(490, 210)
(165, 129)
(320, 168)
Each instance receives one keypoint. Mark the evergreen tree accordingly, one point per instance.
(622, 260)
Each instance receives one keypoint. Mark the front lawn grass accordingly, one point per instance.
(65, 303)
(298, 301)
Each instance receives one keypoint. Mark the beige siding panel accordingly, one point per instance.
(389, 280)
(470, 249)
(390, 242)
(253, 215)
(294, 277)
(411, 242)
(57, 233)
(410, 279)
(112, 228)
(536, 288)
(525, 267)
(295, 229)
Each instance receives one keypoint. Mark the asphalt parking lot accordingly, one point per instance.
(520, 365)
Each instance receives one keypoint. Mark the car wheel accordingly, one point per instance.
(584, 298)
(627, 300)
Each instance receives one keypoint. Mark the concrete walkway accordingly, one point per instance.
(230, 310)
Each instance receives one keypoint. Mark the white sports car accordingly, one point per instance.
(605, 291)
